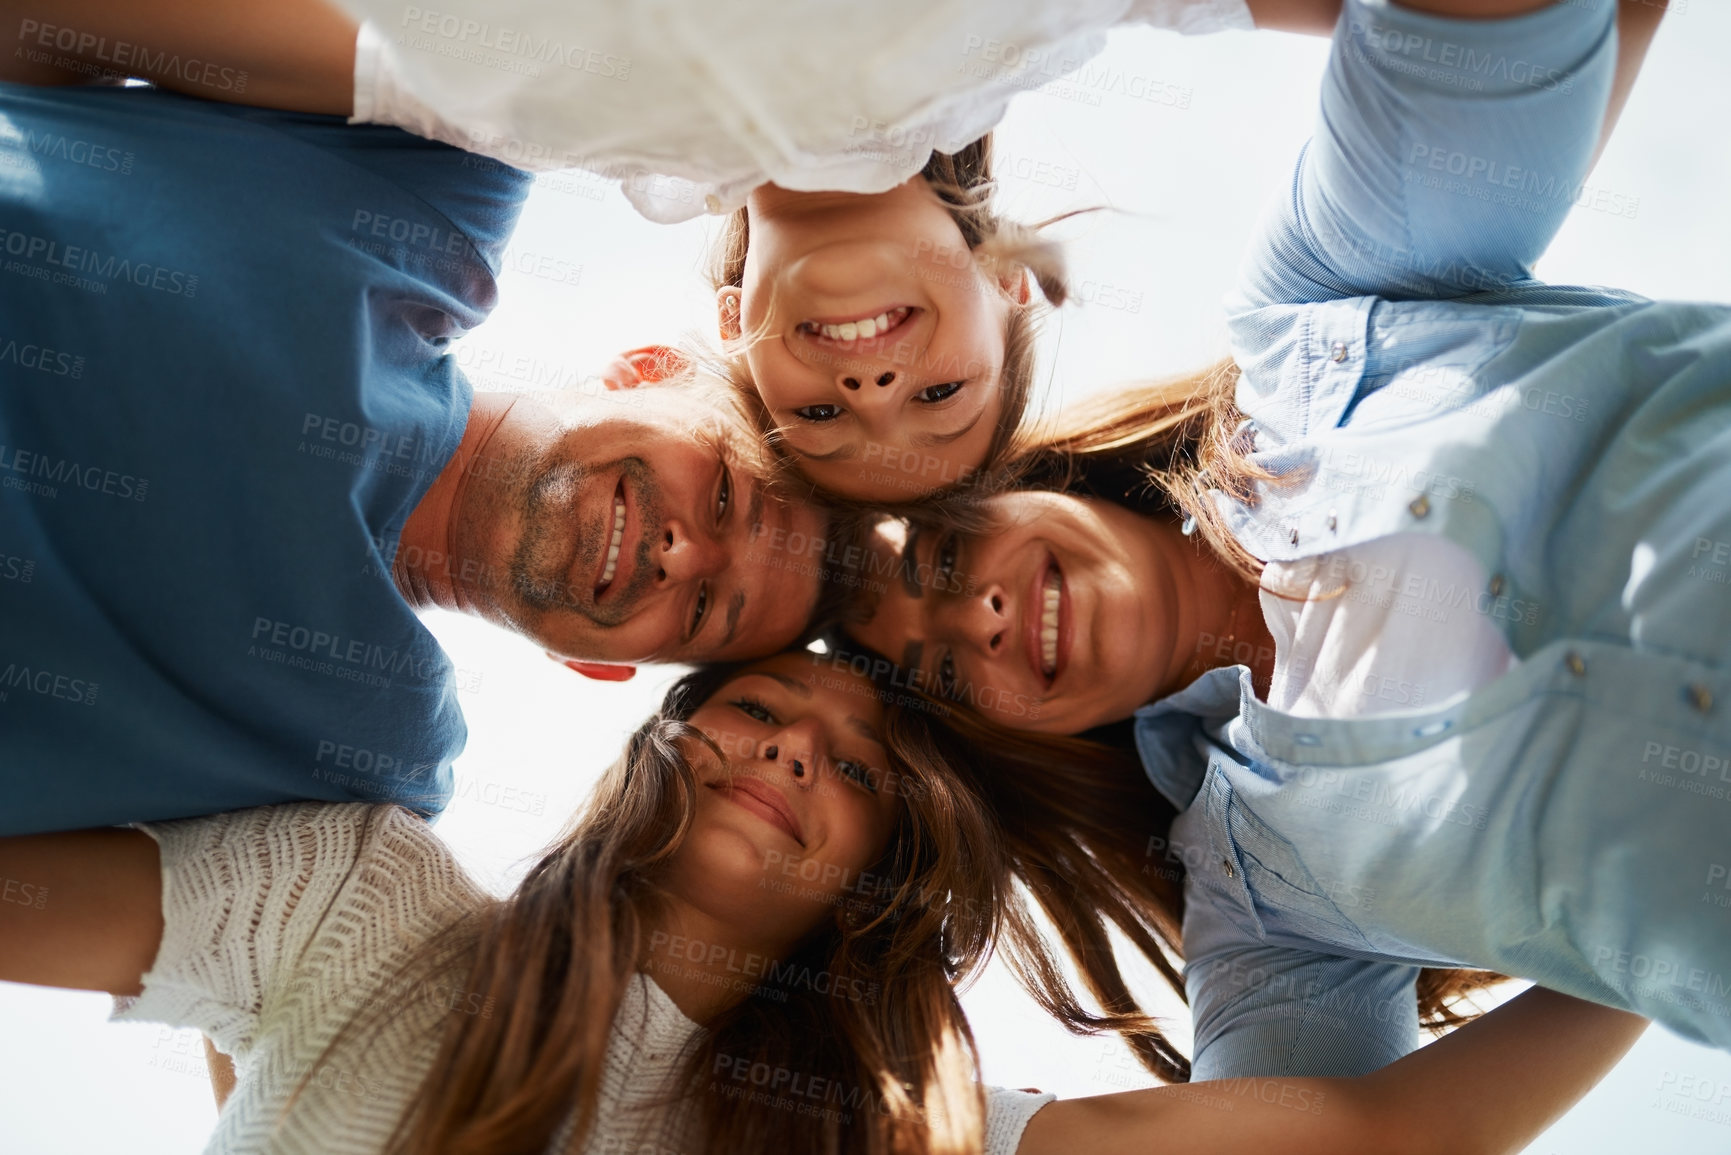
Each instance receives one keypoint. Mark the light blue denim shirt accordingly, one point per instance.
(1569, 823)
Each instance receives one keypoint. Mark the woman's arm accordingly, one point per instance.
(297, 55)
(94, 921)
(1486, 1089)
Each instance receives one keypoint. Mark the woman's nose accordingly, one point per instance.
(794, 748)
(981, 622)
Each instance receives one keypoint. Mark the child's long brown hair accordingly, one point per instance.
(555, 958)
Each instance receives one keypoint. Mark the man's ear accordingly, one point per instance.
(727, 312)
(598, 671)
(648, 365)
(1017, 285)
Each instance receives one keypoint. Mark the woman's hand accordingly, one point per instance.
(81, 909)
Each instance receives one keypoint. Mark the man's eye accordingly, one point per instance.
(858, 772)
(947, 676)
(932, 394)
(818, 413)
(752, 708)
(726, 495)
(702, 608)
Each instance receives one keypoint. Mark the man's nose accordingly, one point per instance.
(979, 622)
(686, 556)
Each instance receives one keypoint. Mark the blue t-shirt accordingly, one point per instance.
(223, 388)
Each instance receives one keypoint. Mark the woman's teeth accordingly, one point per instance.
(861, 329)
(618, 540)
(1052, 596)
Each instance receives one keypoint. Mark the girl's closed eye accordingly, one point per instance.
(859, 773)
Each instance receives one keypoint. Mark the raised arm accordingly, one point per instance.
(84, 909)
(297, 55)
(1488, 1088)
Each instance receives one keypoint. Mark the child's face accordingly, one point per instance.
(879, 338)
(784, 833)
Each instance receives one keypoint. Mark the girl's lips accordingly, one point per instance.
(763, 800)
(823, 330)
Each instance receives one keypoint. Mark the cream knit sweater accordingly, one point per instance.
(277, 922)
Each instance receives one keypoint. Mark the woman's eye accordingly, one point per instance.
(726, 494)
(818, 413)
(752, 708)
(947, 676)
(858, 772)
(932, 394)
(948, 549)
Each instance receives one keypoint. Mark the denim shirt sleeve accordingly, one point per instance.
(1267, 1010)
(1446, 155)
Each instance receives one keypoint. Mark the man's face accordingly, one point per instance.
(625, 528)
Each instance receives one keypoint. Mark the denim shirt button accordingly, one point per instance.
(1231, 871)
(1577, 664)
(1420, 506)
(1338, 353)
(1498, 584)
(1700, 697)
(1333, 522)
(1295, 535)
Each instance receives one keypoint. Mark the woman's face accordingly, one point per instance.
(1064, 616)
(784, 832)
(879, 338)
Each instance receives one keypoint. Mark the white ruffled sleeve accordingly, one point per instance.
(243, 893)
(1194, 17)
(1007, 1115)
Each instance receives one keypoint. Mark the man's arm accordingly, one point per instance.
(1488, 1088)
(297, 55)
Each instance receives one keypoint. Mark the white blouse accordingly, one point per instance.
(277, 922)
(692, 105)
(1395, 624)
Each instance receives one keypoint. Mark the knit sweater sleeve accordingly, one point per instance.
(1007, 1115)
(243, 896)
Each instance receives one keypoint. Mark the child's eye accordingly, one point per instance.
(858, 772)
(818, 413)
(752, 708)
(948, 549)
(935, 393)
(947, 676)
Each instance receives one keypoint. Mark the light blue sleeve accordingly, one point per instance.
(1266, 1010)
(1446, 155)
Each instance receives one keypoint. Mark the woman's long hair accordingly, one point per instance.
(555, 958)
(963, 181)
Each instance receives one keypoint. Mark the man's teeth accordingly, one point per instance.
(866, 327)
(1052, 595)
(618, 540)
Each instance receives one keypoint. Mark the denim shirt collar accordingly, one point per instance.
(1166, 730)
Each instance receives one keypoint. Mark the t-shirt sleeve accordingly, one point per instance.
(1007, 1115)
(1446, 155)
(243, 894)
(1193, 17)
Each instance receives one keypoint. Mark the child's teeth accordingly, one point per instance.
(1052, 597)
(614, 545)
(862, 329)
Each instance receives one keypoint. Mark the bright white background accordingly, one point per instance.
(1190, 183)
